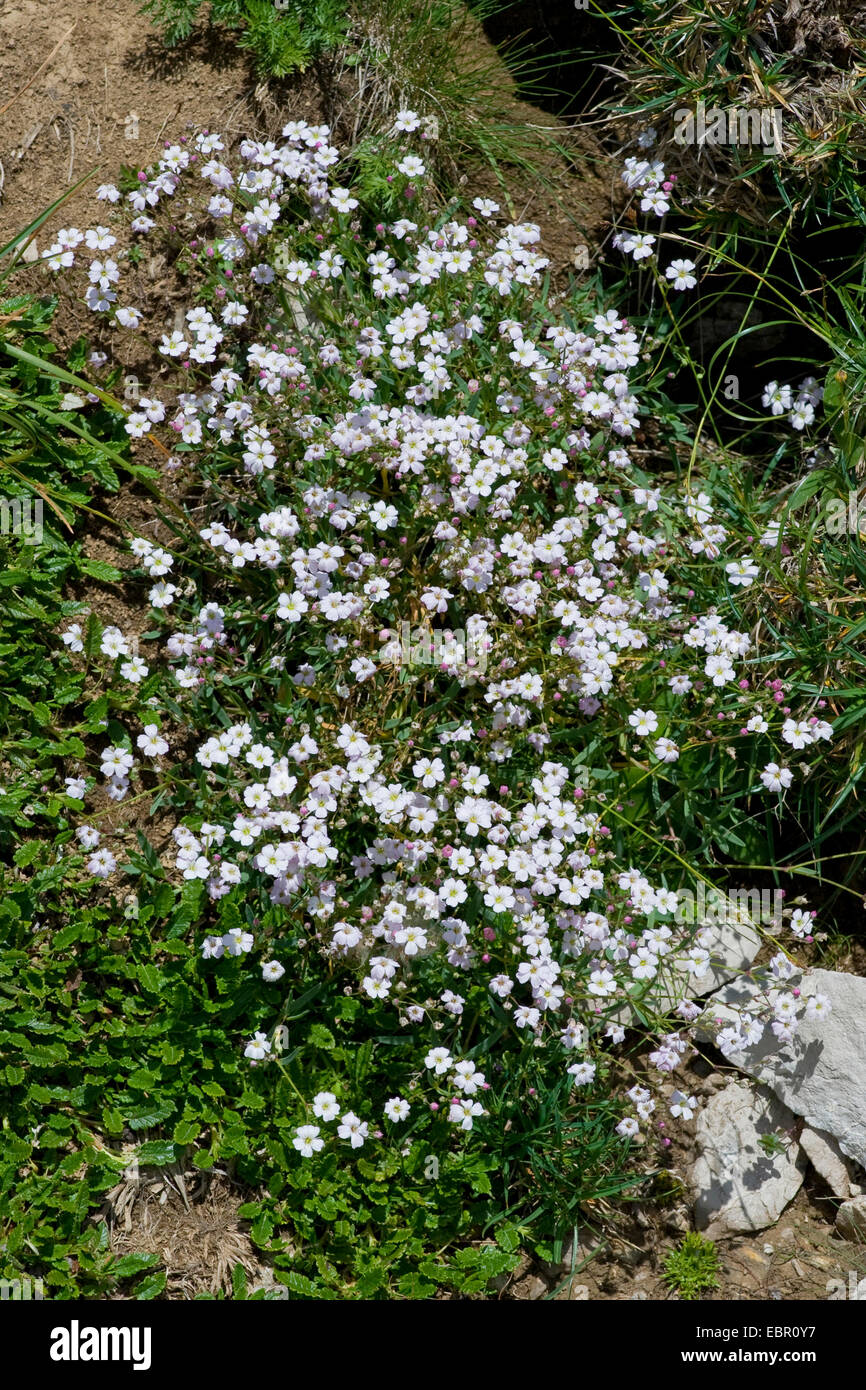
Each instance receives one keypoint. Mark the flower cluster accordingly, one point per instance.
(800, 407)
(401, 429)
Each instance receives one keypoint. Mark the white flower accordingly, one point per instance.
(272, 971)
(776, 398)
(467, 1079)
(102, 863)
(719, 669)
(465, 1112)
(353, 1129)
(396, 1109)
(680, 272)
(438, 1060)
(307, 1140)
(411, 166)
(325, 1106)
(258, 1048)
(601, 983)
(238, 942)
(818, 1006)
(291, 607)
(162, 594)
(776, 778)
(134, 670)
(682, 1106)
(797, 732)
(644, 963)
(741, 572)
(643, 721)
(640, 244)
(151, 743)
(801, 923)
(342, 200)
(666, 750)
(173, 344)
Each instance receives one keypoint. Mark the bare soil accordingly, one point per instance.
(105, 98)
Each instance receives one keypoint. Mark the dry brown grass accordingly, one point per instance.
(190, 1220)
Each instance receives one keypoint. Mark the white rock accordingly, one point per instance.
(735, 944)
(827, 1159)
(821, 1075)
(737, 1186)
(851, 1219)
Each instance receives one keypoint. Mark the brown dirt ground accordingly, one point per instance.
(101, 91)
(106, 97)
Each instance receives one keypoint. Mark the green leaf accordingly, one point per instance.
(150, 977)
(157, 1152)
(262, 1229)
(320, 1036)
(298, 1283)
(26, 853)
(186, 1131)
(151, 1286)
(128, 1265)
(67, 935)
(508, 1238)
(152, 1114)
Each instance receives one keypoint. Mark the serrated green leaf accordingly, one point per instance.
(151, 1286)
(128, 1265)
(158, 1153)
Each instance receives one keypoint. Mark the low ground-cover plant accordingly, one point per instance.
(53, 469)
(282, 36)
(453, 697)
(371, 59)
(693, 1268)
